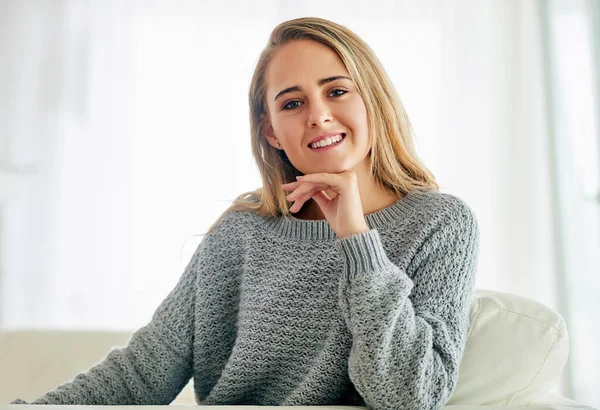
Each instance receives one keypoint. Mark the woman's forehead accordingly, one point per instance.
(302, 62)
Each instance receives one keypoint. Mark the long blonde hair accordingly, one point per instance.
(394, 163)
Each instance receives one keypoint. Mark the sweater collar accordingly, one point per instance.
(299, 229)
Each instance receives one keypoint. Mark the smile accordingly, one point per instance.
(327, 142)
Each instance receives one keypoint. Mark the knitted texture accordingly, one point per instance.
(278, 311)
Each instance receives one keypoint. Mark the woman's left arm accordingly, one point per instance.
(409, 334)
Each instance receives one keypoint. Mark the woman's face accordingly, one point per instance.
(311, 99)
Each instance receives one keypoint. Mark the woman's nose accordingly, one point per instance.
(318, 113)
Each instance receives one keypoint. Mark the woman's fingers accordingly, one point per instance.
(322, 199)
(290, 186)
(304, 189)
(323, 188)
(338, 197)
(334, 182)
(300, 199)
(302, 192)
(337, 182)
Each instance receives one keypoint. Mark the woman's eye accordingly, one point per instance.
(291, 105)
(337, 92)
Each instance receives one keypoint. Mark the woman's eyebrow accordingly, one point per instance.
(330, 79)
(320, 82)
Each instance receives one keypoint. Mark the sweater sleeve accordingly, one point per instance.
(409, 334)
(155, 365)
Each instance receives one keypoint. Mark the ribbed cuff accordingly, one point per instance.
(363, 253)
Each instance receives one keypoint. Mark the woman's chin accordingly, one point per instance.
(330, 169)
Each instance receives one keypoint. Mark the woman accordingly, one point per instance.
(358, 293)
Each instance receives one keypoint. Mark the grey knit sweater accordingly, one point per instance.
(278, 311)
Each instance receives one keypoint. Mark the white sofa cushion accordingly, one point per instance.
(33, 363)
(516, 351)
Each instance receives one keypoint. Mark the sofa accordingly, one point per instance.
(515, 353)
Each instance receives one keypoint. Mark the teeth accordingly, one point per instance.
(327, 141)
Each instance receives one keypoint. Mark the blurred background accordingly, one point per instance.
(124, 134)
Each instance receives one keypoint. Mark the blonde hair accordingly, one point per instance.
(394, 163)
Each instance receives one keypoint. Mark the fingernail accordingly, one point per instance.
(299, 177)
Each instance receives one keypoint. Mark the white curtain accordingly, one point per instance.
(572, 53)
(131, 121)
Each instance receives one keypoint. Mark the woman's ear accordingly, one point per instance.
(269, 134)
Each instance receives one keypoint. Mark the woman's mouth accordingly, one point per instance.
(328, 142)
